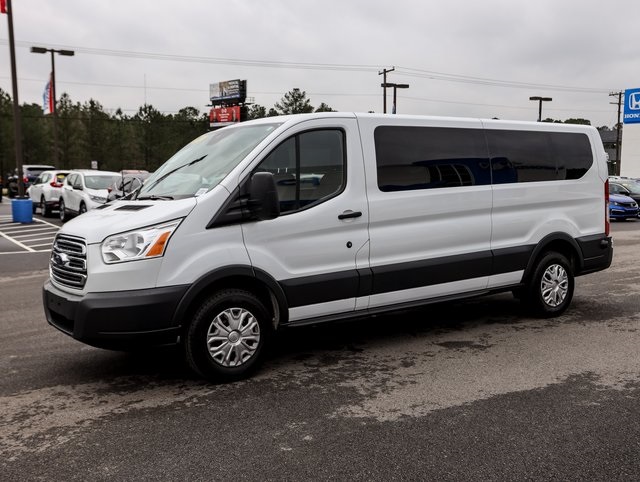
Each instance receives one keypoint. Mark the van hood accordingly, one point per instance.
(121, 216)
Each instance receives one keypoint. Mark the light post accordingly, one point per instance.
(540, 101)
(395, 89)
(43, 50)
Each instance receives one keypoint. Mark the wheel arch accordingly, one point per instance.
(561, 243)
(265, 287)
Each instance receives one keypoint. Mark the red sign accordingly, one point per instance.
(3, 6)
(224, 115)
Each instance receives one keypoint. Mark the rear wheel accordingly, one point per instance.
(550, 290)
(227, 336)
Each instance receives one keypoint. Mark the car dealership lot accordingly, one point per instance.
(460, 391)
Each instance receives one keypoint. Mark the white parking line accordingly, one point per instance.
(36, 237)
(15, 241)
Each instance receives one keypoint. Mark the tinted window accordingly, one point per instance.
(307, 168)
(529, 156)
(572, 152)
(521, 156)
(430, 157)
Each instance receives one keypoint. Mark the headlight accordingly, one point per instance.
(98, 199)
(139, 244)
(615, 203)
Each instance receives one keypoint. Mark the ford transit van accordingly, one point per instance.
(305, 219)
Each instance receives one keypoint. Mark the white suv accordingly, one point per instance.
(84, 190)
(46, 190)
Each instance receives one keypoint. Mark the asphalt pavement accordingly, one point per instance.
(474, 390)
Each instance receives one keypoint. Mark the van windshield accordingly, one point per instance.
(203, 163)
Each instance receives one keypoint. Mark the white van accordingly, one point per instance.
(304, 219)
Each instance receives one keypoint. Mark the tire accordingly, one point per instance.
(83, 209)
(64, 216)
(34, 207)
(227, 336)
(44, 209)
(550, 289)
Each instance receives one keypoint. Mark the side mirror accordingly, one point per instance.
(77, 187)
(263, 197)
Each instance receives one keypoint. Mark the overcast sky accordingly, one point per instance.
(461, 58)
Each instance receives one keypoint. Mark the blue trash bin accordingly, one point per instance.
(22, 210)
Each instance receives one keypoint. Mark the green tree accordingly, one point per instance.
(294, 102)
(7, 146)
(35, 135)
(256, 111)
(72, 135)
(324, 108)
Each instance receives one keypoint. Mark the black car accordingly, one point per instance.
(126, 185)
(30, 173)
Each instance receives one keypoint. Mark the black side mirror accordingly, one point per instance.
(263, 196)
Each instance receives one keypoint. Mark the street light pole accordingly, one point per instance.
(395, 89)
(540, 101)
(54, 110)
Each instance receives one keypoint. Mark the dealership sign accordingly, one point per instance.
(228, 91)
(631, 106)
(222, 116)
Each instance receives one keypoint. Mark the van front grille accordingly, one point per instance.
(68, 264)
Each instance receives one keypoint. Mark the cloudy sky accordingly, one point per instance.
(460, 57)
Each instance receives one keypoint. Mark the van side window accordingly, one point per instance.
(308, 168)
(529, 156)
(573, 154)
(410, 158)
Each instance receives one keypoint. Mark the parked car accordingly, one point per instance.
(622, 207)
(126, 184)
(45, 191)
(84, 190)
(30, 173)
(626, 187)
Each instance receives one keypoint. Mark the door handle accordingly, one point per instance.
(348, 214)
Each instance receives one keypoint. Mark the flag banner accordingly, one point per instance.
(47, 98)
(3, 6)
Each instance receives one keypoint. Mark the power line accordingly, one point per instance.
(427, 74)
(407, 71)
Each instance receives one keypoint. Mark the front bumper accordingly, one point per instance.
(116, 320)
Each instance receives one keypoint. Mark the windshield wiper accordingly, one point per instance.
(153, 197)
(164, 176)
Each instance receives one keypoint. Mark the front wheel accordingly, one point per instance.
(227, 336)
(550, 290)
(44, 209)
(64, 217)
(83, 209)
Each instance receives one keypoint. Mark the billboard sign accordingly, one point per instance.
(222, 116)
(631, 106)
(227, 91)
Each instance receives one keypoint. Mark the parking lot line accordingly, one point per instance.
(15, 241)
(35, 237)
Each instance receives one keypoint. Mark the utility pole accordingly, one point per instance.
(384, 89)
(618, 128)
(17, 121)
